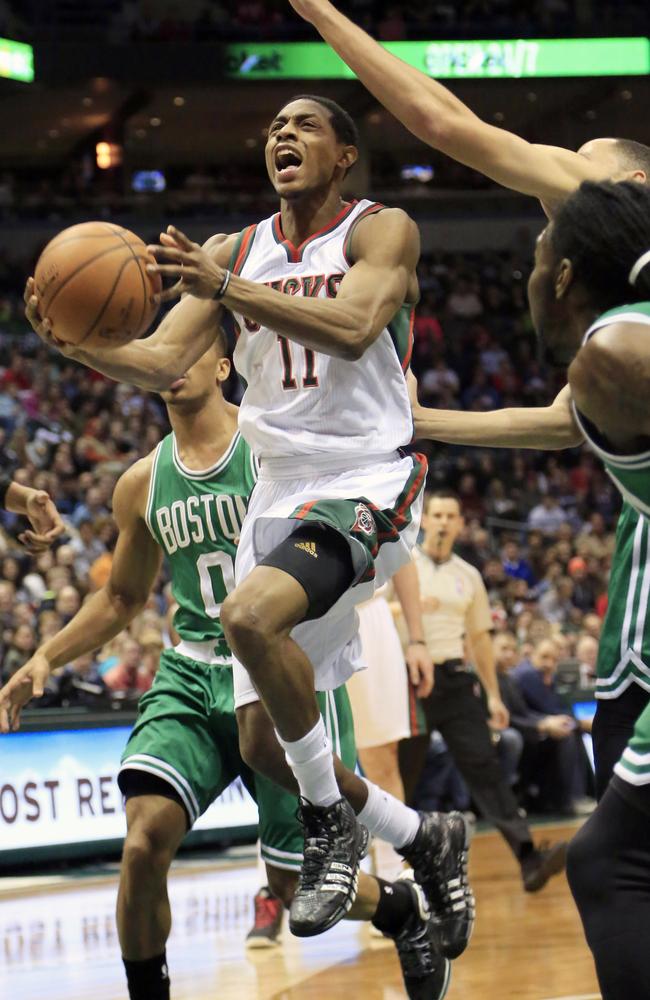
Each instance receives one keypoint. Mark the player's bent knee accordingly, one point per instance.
(150, 843)
(246, 631)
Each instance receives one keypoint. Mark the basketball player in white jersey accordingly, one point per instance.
(322, 294)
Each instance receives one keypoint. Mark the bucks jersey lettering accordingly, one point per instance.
(196, 518)
(299, 402)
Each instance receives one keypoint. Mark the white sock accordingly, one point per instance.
(310, 758)
(388, 818)
(389, 865)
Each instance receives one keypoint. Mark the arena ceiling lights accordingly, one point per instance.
(514, 59)
(16, 61)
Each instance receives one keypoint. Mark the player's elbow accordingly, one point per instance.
(435, 126)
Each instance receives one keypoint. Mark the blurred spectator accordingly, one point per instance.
(123, 677)
(21, 647)
(547, 516)
(587, 655)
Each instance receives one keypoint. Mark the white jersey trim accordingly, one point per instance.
(152, 484)
(219, 465)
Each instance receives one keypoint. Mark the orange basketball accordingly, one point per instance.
(93, 286)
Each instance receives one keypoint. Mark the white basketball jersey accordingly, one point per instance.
(299, 402)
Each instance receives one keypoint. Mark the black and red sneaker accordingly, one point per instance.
(269, 910)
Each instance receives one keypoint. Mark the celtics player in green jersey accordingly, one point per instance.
(590, 302)
(187, 501)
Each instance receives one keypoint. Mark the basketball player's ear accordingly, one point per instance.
(223, 370)
(563, 278)
(348, 158)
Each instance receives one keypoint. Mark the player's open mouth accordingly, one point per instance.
(287, 163)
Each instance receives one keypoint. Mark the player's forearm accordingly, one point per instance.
(540, 427)
(154, 363)
(98, 621)
(17, 496)
(407, 588)
(481, 647)
(423, 105)
(330, 326)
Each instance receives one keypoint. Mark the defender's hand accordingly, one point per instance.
(44, 519)
(26, 683)
(196, 271)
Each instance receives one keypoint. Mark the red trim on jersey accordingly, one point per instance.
(243, 250)
(416, 485)
(304, 510)
(294, 253)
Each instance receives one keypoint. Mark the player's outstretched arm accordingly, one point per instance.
(609, 380)
(183, 336)
(385, 248)
(439, 119)
(136, 562)
(548, 428)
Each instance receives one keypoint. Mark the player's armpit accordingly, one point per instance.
(609, 380)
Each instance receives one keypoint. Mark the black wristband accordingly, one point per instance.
(219, 294)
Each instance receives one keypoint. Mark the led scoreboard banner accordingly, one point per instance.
(16, 61)
(515, 59)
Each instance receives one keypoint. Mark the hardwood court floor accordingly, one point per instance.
(59, 943)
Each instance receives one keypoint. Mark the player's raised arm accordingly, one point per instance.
(154, 363)
(385, 249)
(549, 428)
(136, 562)
(439, 119)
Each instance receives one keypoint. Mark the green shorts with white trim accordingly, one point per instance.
(186, 734)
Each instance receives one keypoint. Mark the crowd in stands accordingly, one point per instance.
(207, 20)
(540, 527)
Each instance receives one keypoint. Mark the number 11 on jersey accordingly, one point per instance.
(309, 378)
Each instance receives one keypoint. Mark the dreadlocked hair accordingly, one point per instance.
(603, 229)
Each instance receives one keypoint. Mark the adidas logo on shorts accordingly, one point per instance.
(308, 547)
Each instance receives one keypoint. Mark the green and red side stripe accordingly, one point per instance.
(242, 249)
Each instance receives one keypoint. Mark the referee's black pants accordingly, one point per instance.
(456, 708)
(608, 863)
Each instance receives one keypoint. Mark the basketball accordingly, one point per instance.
(93, 286)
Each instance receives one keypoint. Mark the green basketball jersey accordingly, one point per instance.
(624, 650)
(196, 518)
(630, 473)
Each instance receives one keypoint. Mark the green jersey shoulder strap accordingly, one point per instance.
(630, 473)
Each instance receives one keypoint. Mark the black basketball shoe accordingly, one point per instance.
(438, 856)
(425, 969)
(335, 844)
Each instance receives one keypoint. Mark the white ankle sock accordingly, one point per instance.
(310, 758)
(388, 818)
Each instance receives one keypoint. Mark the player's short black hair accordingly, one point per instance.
(221, 342)
(603, 229)
(343, 124)
(634, 155)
